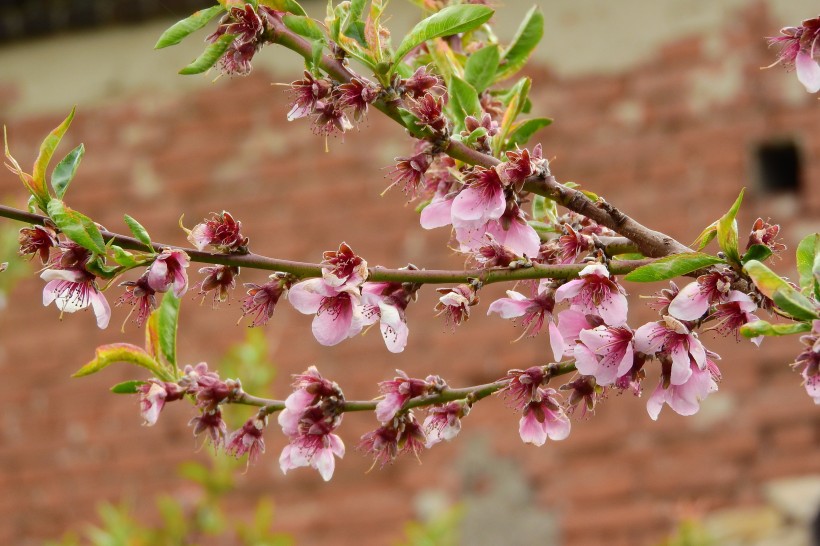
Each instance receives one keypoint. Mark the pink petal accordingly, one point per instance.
(324, 462)
(306, 296)
(649, 338)
(289, 421)
(62, 275)
(690, 303)
(337, 446)
(474, 204)
(50, 291)
(285, 462)
(681, 365)
(556, 342)
(697, 351)
(386, 408)
(436, 214)
(157, 274)
(394, 329)
(521, 238)
(513, 306)
(569, 290)
(557, 426)
(531, 431)
(332, 328)
(808, 71)
(585, 360)
(613, 309)
(655, 403)
(102, 311)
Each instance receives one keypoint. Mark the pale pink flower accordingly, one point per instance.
(672, 337)
(438, 213)
(685, 398)
(306, 94)
(798, 50)
(262, 299)
(220, 231)
(524, 386)
(168, 271)
(140, 296)
(481, 200)
(595, 293)
(605, 353)
(455, 303)
(396, 392)
(386, 302)
(73, 290)
(534, 310)
(511, 231)
(153, 396)
(544, 419)
(347, 268)
(248, 439)
(570, 324)
(572, 243)
(313, 443)
(808, 362)
(211, 424)
(694, 300)
(737, 310)
(444, 422)
(402, 434)
(338, 310)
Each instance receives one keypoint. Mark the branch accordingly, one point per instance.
(649, 242)
(376, 274)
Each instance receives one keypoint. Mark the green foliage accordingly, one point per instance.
(289, 6)
(481, 67)
(451, 20)
(787, 298)
(139, 232)
(127, 387)
(47, 149)
(727, 231)
(304, 26)
(527, 37)
(76, 226)
(544, 209)
(167, 323)
(760, 253)
(521, 132)
(64, 172)
(808, 264)
(210, 56)
(764, 328)
(463, 101)
(672, 266)
(112, 353)
(182, 29)
(516, 101)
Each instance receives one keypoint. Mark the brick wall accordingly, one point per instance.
(669, 139)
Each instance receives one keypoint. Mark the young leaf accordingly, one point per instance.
(127, 387)
(76, 226)
(139, 232)
(757, 252)
(672, 266)
(181, 29)
(290, 6)
(123, 257)
(481, 67)
(210, 56)
(464, 100)
(167, 327)
(784, 296)
(44, 157)
(106, 355)
(451, 20)
(304, 26)
(526, 38)
(544, 210)
(807, 252)
(522, 132)
(64, 172)
(727, 231)
(763, 328)
(517, 98)
(706, 236)
(152, 334)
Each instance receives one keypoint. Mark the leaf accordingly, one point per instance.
(763, 328)
(47, 148)
(210, 56)
(181, 29)
(76, 226)
(526, 38)
(464, 100)
(727, 231)
(672, 266)
(544, 210)
(782, 293)
(517, 99)
(167, 327)
(106, 355)
(521, 133)
(706, 236)
(304, 26)
(65, 170)
(451, 20)
(481, 67)
(757, 252)
(152, 334)
(127, 387)
(139, 232)
(123, 257)
(807, 252)
(290, 6)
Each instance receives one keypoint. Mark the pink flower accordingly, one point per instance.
(396, 393)
(338, 310)
(312, 441)
(733, 313)
(401, 435)
(808, 362)
(685, 398)
(386, 303)
(543, 419)
(570, 324)
(248, 439)
(221, 232)
(438, 213)
(153, 396)
(595, 293)
(262, 299)
(37, 240)
(75, 289)
(524, 386)
(572, 243)
(168, 271)
(511, 231)
(347, 268)
(306, 95)
(798, 50)
(357, 94)
(534, 309)
(329, 118)
(211, 424)
(481, 200)
(605, 353)
(141, 296)
(420, 82)
(671, 337)
(429, 111)
(409, 172)
(443, 422)
(455, 303)
(693, 301)
(764, 233)
(219, 279)
(583, 392)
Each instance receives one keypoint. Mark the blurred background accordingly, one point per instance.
(659, 106)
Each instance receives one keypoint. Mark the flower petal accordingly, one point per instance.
(808, 71)
(690, 303)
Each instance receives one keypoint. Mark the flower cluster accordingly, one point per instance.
(327, 103)
(799, 50)
(248, 26)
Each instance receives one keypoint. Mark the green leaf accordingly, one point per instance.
(356, 9)
(181, 29)
(76, 226)
(763, 328)
(210, 56)
(123, 257)
(521, 133)
(544, 210)
(47, 148)
(152, 335)
(106, 355)
(127, 387)
(807, 252)
(527, 37)
(481, 67)
(782, 293)
(65, 170)
(463, 100)
(517, 99)
(757, 252)
(290, 6)
(167, 327)
(451, 20)
(727, 231)
(304, 26)
(706, 236)
(672, 266)
(139, 232)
